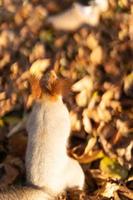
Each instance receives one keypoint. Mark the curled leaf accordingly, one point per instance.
(88, 156)
(113, 169)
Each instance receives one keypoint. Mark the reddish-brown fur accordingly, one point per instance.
(49, 85)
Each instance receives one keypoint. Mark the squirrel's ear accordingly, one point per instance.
(67, 84)
(61, 86)
(35, 87)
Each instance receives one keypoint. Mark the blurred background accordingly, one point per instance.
(98, 58)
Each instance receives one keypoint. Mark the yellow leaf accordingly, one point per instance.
(113, 169)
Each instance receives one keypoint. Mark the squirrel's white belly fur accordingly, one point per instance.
(46, 155)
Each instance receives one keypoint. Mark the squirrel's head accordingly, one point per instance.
(48, 84)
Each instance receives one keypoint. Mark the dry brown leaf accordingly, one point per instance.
(92, 42)
(88, 155)
(128, 85)
(11, 173)
(4, 39)
(38, 67)
(109, 190)
(123, 34)
(131, 27)
(106, 98)
(6, 106)
(85, 83)
(92, 114)
(2, 96)
(97, 55)
(5, 60)
(82, 98)
(104, 114)
(17, 145)
(75, 122)
(38, 52)
(122, 127)
(86, 122)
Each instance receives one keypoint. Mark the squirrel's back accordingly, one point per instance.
(47, 162)
(50, 130)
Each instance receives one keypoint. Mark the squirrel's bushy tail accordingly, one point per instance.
(24, 193)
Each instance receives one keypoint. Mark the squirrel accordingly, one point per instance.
(49, 170)
(47, 162)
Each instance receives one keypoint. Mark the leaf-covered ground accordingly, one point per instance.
(99, 61)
